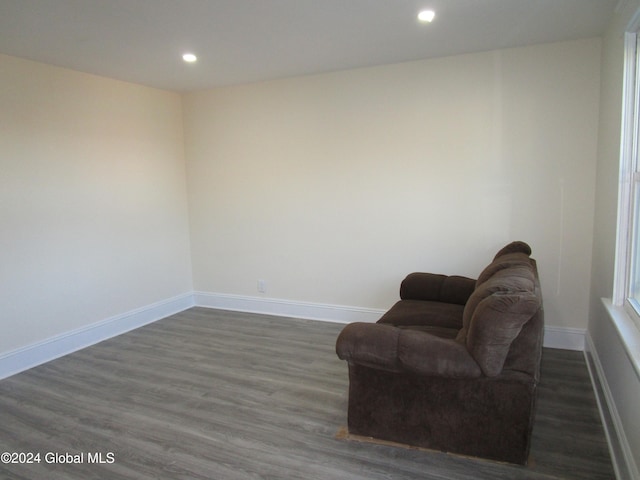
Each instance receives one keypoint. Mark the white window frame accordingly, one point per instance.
(629, 172)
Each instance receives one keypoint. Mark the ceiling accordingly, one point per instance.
(242, 41)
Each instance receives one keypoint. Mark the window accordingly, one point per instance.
(627, 282)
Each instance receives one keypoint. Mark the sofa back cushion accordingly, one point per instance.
(514, 247)
(496, 322)
(437, 288)
(504, 299)
(505, 277)
(500, 263)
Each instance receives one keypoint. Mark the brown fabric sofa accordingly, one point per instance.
(454, 365)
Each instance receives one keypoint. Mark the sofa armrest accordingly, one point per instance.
(425, 354)
(437, 288)
(370, 344)
(386, 347)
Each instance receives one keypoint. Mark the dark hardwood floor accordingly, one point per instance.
(208, 394)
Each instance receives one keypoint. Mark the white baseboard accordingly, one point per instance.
(564, 338)
(554, 337)
(621, 454)
(31, 356)
(287, 308)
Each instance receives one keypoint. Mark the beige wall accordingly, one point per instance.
(620, 379)
(333, 187)
(92, 200)
(329, 187)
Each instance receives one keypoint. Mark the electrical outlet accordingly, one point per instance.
(262, 286)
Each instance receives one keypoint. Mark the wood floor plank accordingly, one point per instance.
(209, 394)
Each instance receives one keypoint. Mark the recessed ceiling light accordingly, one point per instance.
(426, 16)
(189, 57)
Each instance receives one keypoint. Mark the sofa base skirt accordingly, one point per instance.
(484, 417)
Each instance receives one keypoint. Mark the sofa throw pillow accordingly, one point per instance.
(496, 322)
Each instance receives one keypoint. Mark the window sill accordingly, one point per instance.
(627, 331)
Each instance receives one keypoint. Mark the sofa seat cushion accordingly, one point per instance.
(424, 313)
